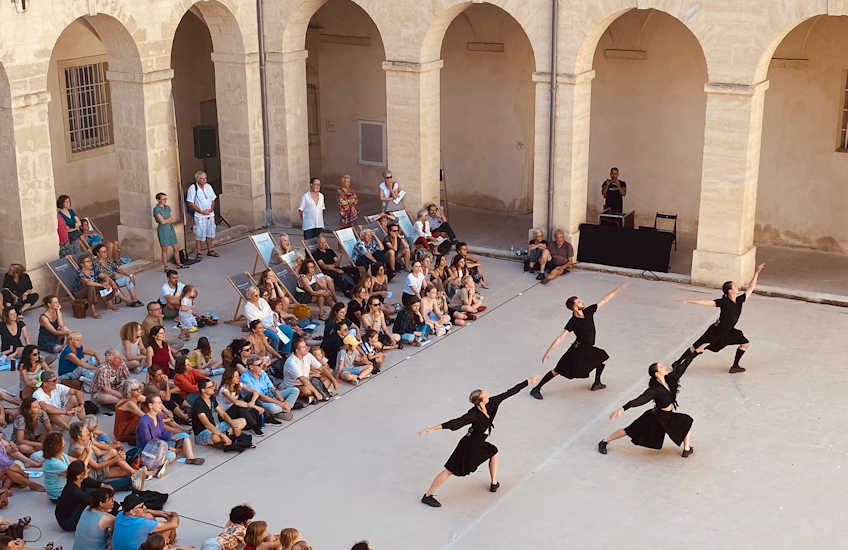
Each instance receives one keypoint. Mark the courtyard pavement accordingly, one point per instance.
(766, 472)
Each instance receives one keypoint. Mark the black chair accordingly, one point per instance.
(669, 217)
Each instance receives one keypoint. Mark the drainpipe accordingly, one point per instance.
(263, 86)
(552, 119)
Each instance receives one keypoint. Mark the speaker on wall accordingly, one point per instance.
(205, 142)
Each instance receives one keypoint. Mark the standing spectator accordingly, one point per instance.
(275, 403)
(296, 372)
(133, 344)
(30, 428)
(135, 522)
(170, 296)
(72, 360)
(232, 537)
(58, 400)
(104, 265)
(96, 521)
(165, 230)
(201, 198)
(108, 378)
(208, 431)
(560, 254)
(348, 213)
(17, 288)
(439, 222)
(414, 283)
(613, 191)
(13, 334)
(52, 329)
(391, 195)
(68, 227)
(151, 427)
(311, 210)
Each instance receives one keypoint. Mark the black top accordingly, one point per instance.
(659, 394)
(404, 323)
(199, 406)
(352, 307)
(481, 425)
(24, 283)
(543, 241)
(327, 256)
(584, 329)
(9, 340)
(730, 310)
(74, 499)
(614, 200)
(331, 345)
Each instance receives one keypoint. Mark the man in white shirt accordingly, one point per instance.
(311, 210)
(171, 292)
(201, 198)
(297, 369)
(58, 400)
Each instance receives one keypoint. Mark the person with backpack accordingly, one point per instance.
(200, 199)
(151, 428)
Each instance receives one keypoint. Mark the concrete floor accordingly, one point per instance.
(767, 440)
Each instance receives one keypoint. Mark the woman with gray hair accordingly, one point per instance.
(257, 308)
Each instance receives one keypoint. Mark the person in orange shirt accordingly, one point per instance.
(186, 377)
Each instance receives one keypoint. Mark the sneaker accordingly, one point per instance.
(688, 453)
(138, 478)
(598, 386)
(269, 419)
(160, 473)
(416, 343)
(258, 431)
(286, 415)
(526, 266)
(430, 500)
(602, 447)
(536, 394)
(736, 369)
(193, 329)
(540, 277)
(545, 280)
(195, 461)
(481, 309)
(493, 488)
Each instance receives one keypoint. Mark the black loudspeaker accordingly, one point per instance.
(205, 142)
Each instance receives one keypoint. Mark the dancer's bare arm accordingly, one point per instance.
(753, 283)
(708, 303)
(603, 301)
(554, 344)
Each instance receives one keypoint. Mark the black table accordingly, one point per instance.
(638, 249)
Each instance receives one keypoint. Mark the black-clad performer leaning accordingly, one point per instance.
(724, 332)
(650, 429)
(582, 357)
(473, 449)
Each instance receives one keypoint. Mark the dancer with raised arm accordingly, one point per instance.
(724, 332)
(650, 429)
(582, 356)
(473, 449)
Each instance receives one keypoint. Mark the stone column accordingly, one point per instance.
(146, 146)
(725, 249)
(28, 209)
(238, 100)
(571, 148)
(289, 133)
(413, 129)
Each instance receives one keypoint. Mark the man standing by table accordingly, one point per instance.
(311, 210)
(201, 198)
(613, 191)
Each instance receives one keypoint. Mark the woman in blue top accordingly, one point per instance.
(73, 246)
(91, 532)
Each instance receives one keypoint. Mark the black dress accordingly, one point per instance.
(650, 429)
(473, 449)
(724, 332)
(582, 357)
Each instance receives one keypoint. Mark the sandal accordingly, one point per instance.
(52, 546)
(24, 521)
(213, 254)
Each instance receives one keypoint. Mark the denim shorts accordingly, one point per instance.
(124, 282)
(205, 437)
(352, 370)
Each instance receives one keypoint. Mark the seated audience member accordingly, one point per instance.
(207, 430)
(374, 317)
(59, 401)
(456, 273)
(94, 285)
(372, 348)
(232, 537)
(338, 313)
(334, 342)
(154, 318)
(536, 249)
(171, 294)
(439, 222)
(414, 283)
(301, 545)
(151, 426)
(106, 385)
(104, 265)
(423, 235)
(72, 360)
(135, 522)
(257, 537)
(13, 334)
(276, 403)
(361, 545)
(135, 353)
(288, 538)
(236, 405)
(105, 463)
(438, 321)
(90, 239)
(8, 454)
(256, 308)
(29, 370)
(474, 266)
(173, 401)
(357, 303)
(201, 358)
(17, 289)
(410, 324)
(240, 349)
(77, 495)
(324, 373)
(442, 309)
(94, 527)
(378, 285)
(56, 462)
(368, 251)
(330, 263)
(439, 272)
(158, 351)
(30, 428)
(186, 378)
(560, 255)
(98, 434)
(187, 319)
(316, 287)
(467, 300)
(128, 413)
(397, 249)
(259, 341)
(52, 330)
(286, 248)
(351, 365)
(296, 373)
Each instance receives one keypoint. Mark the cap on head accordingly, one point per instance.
(131, 501)
(350, 340)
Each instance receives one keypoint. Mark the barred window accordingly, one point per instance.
(88, 106)
(372, 142)
(843, 127)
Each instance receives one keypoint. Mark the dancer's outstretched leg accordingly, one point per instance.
(428, 497)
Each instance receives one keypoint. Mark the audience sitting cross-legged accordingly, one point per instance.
(275, 402)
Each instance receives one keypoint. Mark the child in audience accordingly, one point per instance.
(258, 538)
(325, 373)
(201, 358)
(352, 366)
(188, 322)
(373, 349)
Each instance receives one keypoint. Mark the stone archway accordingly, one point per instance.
(11, 213)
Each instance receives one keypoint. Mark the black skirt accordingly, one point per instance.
(718, 339)
(468, 456)
(650, 429)
(580, 360)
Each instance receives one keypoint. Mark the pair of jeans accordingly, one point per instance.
(312, 233)
(274, 338)
(289, 396)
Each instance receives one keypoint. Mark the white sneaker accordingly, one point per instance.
(138, 478)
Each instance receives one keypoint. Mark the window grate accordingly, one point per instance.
(88, 107)
(843, 127)
(372, 142)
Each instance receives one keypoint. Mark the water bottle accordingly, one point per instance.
(511, 250)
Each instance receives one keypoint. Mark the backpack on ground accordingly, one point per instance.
(154, 454)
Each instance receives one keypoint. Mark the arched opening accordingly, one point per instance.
(10, 210)
(346, 104)
(487, 126)
(800, 194)
(647, 119)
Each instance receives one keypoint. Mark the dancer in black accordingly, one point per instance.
(582, 357)
(473, 449)
(650, 429)
(724, 332)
